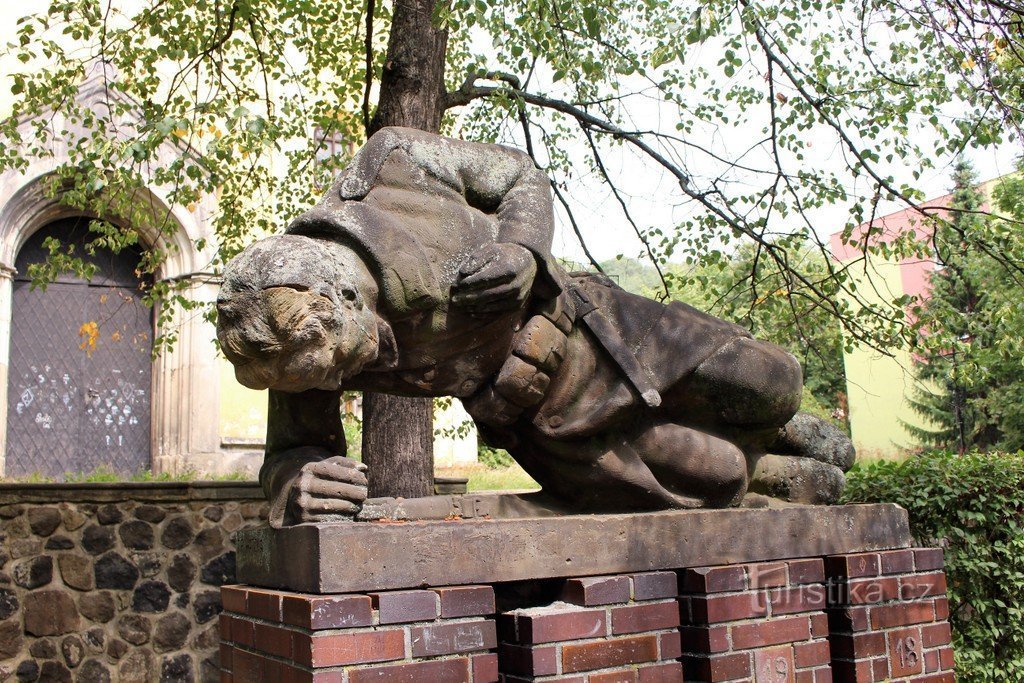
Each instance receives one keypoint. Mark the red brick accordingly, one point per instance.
(902, 614)
(264, 604)
(669, 672)
(931, 661)
(226, 677)
(928, 559)
(618, 676)
(946, 677)
(452, 638)
(819, 625)
(247, 666)
(941, 609)
(704, 639)
(857, 645)
(860, 671)
(647, 617)
(655, 585)
(540, 627)
(808, 655)
(232, 598)
(767, 575)
(447, 670)
(671, 646)
(868, 591)
(787, 600)
(242, 632)
(713, 579)
(823, 675)
(806, 571)
(485, 668)
(340, 649)
(923, 585)
(848, 618)
(224, 621)
(466, 601)
(724, 667)
(852, 566)
(317, 612)
(718, 608)
(804, 676)
(596, 590)
(274, 640)
(774, 664)
(531, 661)
(935, 635)
(225, 656)
(399, 607)
(896, 561)
(608, 653)
(880, 669)
(946, 657)
(773, 632)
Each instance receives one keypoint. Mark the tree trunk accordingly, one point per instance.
(398, 432)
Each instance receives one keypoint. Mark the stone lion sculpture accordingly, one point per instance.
(426, 270)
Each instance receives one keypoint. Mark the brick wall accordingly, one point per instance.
(850, 618)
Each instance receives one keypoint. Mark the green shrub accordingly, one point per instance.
(973, 506)
(494, 458)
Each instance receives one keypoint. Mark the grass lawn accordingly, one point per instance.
(483, 478)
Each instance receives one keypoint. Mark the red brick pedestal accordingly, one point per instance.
(888, 617)
(763, 622)
(391, 637)
(612, 629)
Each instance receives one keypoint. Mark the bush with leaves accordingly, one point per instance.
(972, 506)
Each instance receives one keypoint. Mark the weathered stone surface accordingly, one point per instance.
(94, 639)
(97, 539)
(177, 534)
(73, 650)
(797, 480)
(93, 671)
(206, 606)
(114, 571)
(59, 543)
(151, 596)
(27, 671)
(177, 669)
(50, 612)
(209, 543)
(137, 667)
(207, 639)
(11, 639)
(43, 521)
(8, 603)
(33, 572)
(11, 511)
(77, 572)
(136, 534)
(367, 557)
(214, 513)
(153, 514)
(43, 648)
(149, 564)
(54, 672)
(109, 514)
(219, 570)
(134, 628)
(24, 547)
(171, 632)
(182, 600)
(73, 518)
(117, 648)
(181, 573)
(232, 522)
(98, 606)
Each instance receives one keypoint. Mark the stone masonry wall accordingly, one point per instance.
(117, 582)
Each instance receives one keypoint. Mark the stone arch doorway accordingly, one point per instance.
(80, 371)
